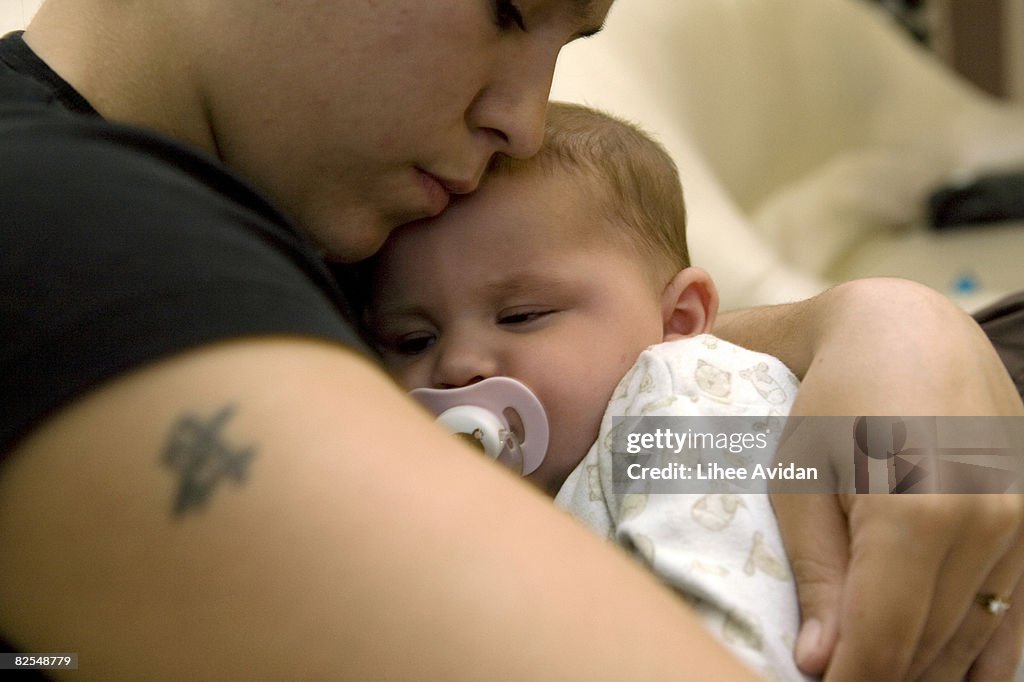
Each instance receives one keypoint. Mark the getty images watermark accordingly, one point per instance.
(887, 455)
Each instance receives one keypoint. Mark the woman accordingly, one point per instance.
(204, 473)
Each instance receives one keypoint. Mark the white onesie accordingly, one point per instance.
(721, 551)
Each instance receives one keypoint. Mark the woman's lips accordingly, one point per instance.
(439, 190)
(438, 195)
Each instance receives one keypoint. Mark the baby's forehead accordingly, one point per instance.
(544, 183)
(521, 206)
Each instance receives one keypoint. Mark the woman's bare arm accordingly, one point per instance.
(881, 334)
(279, 508)
(898, 575)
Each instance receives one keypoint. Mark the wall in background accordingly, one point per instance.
(981, 39)
(1013, 32)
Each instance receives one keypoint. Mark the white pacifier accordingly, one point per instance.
(482, 413)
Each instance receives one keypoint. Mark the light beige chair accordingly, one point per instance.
(808, 134)
(15, 14)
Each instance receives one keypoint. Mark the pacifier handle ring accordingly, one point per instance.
(481, 424)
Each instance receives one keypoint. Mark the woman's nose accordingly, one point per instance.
(514, 107)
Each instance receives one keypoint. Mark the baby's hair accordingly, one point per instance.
(633, 178)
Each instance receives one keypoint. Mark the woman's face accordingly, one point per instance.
(358, 116)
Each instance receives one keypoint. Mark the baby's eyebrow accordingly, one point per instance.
(522, 283)
(377, 313)
(508, 285)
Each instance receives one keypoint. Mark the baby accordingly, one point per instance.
(570, 272)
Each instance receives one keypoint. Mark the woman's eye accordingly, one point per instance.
(507, 15)
(523, 316)
(413, 345)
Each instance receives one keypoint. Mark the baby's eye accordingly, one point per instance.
(414, 344)
(522, 316)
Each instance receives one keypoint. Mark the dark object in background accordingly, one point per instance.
(911, 15)
(983, 199)
(1003, 322)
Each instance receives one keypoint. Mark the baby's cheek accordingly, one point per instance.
(584, 417)
(408, 377)
(570, 438)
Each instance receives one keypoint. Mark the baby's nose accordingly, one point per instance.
(463, 365)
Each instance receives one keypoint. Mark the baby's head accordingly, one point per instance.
(559, 271)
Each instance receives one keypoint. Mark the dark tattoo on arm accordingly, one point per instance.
(198, 450)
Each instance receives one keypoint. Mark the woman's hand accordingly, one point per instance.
(897, 597)
(889, 584)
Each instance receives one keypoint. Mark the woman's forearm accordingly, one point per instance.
(881, 346)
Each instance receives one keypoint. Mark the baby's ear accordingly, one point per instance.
(689, 304)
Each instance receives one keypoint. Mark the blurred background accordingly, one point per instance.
(823, 140)
(16, 13)
(981, 39)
